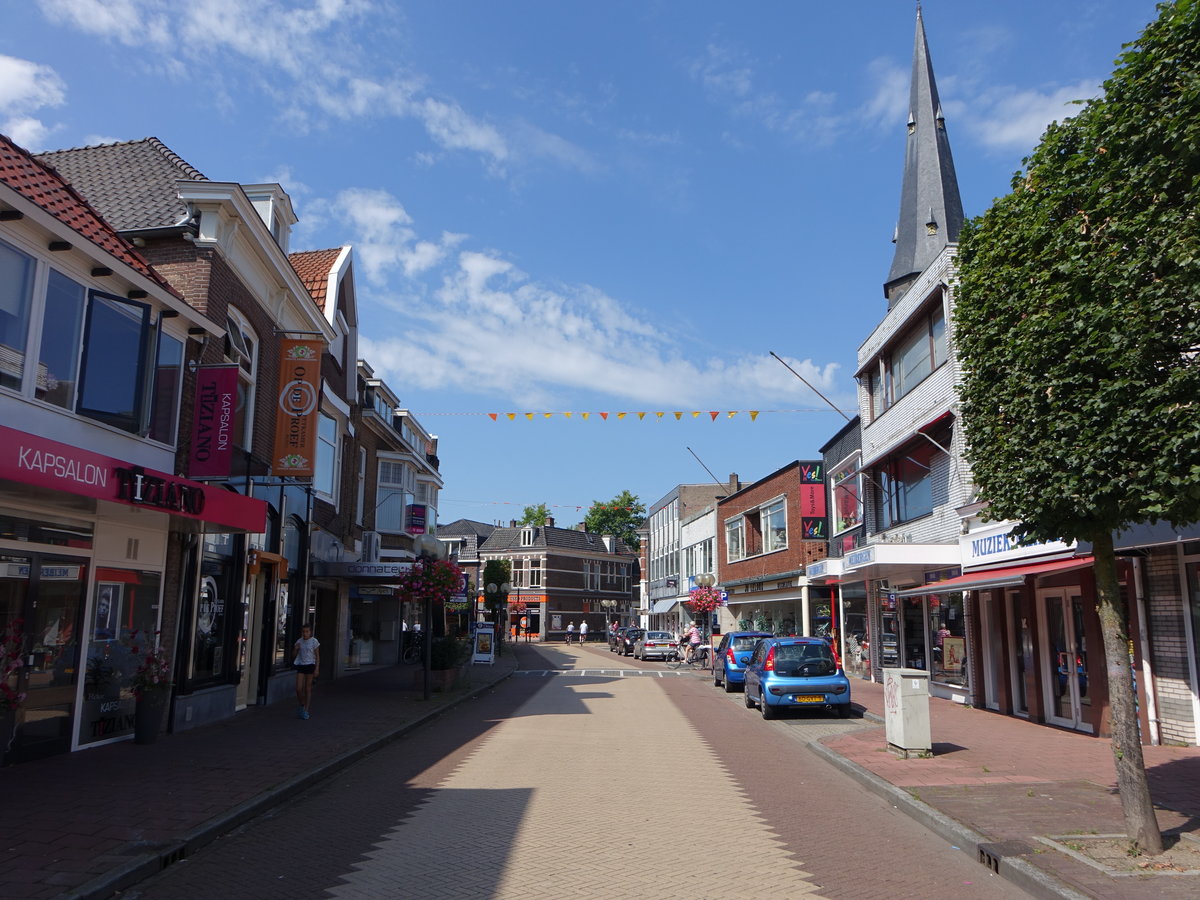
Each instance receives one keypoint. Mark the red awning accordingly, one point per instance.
(1005, 576)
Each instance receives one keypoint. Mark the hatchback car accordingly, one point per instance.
(659, 644)
(795, 673)
(627, 640)
(729, 668)
(614, 637)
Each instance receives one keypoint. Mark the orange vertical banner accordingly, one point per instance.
(296, 417)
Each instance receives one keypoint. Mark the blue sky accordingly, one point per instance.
(568, 207)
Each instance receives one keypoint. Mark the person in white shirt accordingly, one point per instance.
(570, 632)
(583, 632)
(307, 658)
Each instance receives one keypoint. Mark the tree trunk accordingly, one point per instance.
(1140, 822)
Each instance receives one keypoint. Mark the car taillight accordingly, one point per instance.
(769, 662)
(729, 656)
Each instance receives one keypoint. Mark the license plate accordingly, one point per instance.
(809, 698)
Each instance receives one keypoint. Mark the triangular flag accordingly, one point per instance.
(547, 415)
(659, 415)
(585, 415)
(622, 415)
(714, 413)
(492, 416)
(641, 416)
(678, 416)
(512, 417)
(753, 414)
(695, 413)
(604, 416)
(529, 416)
(732, 413)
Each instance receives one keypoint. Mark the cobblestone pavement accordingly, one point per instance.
(577, 781)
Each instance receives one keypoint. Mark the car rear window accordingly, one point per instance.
(745, 643)
(658, 636)
(789, 658)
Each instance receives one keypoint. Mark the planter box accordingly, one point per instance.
(439, 679)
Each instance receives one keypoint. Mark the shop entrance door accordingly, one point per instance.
(993, 650)
(48, 593)
(1064, 659)
(1020, 657)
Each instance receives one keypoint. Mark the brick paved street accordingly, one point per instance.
(586, 778)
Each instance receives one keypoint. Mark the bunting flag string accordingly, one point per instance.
(575, 506)
(657, 415)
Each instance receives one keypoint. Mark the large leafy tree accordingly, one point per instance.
(1078, 329)
(622, 516)
(534, 515)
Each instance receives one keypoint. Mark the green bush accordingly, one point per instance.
(448, 652)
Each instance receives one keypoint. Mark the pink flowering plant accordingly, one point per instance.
(430, 580)
(153, 673)
(704, 599)
(10, 666)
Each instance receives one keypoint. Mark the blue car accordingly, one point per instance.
(729, 663)
(796, 673)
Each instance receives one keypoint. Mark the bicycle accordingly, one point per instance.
(696, 659)
(414, 652)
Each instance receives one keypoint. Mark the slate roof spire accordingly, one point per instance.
(931, 213)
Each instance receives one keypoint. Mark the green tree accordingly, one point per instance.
(497, 572)
(622, 516)
(1078, 326)
(535, 515)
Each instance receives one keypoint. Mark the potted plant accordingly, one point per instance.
(151, 684)
(11, 699)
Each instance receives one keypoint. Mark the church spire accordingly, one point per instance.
(931, 213)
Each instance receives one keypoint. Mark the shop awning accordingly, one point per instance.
(664, 606)
(1006, 576)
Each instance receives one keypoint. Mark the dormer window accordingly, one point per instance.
(527, 537)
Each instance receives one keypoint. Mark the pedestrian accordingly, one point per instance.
(307, 658)
(583, 632)
(570, 631)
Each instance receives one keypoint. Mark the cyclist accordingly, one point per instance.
(694, 639)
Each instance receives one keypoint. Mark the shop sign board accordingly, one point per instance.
(366, 571)
(299, 396)
(40, 462)
(995, 544)
(484, 649)
(211, 453)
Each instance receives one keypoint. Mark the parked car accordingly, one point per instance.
(732, 654)
(660, 644)
(627, 640)
(795, 673)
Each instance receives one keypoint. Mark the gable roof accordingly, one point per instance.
(465, 526)
(132, 182)
(549, 537)
(42, 186)
(313, 267)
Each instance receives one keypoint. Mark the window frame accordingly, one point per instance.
(848, 469)
(247, 359)
(887, 382)
(335, 465)
(736, 524)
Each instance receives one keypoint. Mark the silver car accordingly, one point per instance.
(660, 644)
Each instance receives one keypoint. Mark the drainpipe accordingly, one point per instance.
(1144, 644)
(804, 628)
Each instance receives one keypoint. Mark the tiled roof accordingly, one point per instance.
(132, 183)
(313, 267)
(548, 537)
(465, 526)
(43, 186)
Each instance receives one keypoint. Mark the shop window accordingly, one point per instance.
(209, 662)
(948, 637)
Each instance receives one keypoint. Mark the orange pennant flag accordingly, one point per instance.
(659, 415)
(732, 413)
(585, 415)
(604, 416)
(493, 416)
(622, 415)
(695, 413)
(529, 416)
(753, 414)
(567, 414)
(641, 416)
(678, 416)
(714, 413)
(547, 415)
(512, 417)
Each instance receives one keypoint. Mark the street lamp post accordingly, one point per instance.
(500, 592)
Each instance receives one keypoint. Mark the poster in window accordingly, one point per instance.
(108, 611)
(954, 651)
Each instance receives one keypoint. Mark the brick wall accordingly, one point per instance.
(1169, 649)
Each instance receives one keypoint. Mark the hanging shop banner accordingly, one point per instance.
(211, 454)
(415, 518)
(299, 396)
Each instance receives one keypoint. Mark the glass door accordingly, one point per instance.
(47, 593)
(1065, 658)
(1020, 652)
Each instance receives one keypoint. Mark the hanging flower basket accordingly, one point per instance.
(704, 600)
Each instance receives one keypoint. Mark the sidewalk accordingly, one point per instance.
(996, 784)
(86, 824)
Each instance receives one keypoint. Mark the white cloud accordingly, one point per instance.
(544, 343)
(26, 88)
(888, 104)
(1005, 119)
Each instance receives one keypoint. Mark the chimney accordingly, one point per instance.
(512, 523)
(733, 483)
(549, 522)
